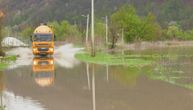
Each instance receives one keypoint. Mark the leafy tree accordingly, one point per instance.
(134, 26)
(56, 27)
(174, 32)
(126, 19)
(64, 30)
(150, 30)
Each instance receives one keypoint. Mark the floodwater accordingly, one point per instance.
(52, 84)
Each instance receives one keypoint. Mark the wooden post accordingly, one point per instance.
(107, 32)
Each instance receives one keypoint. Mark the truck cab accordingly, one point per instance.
(43, 40)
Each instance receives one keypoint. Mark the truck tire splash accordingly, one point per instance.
(64, 56)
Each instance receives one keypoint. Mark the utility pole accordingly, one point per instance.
(92, 30)
(122, 35)
(107, 32)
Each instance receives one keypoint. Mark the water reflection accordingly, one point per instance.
(88, 75)
(43, 71)
(10, 101)
(93, 87)
(2, 87)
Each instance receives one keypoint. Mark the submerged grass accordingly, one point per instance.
(4, 61)
(109, 59)
(9, 58)
(3, 66)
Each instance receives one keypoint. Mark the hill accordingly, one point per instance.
(25, 12)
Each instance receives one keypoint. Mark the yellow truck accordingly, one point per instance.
(43, 71)
(43, 40)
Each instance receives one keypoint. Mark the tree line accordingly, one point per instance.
(123, 22)
(24, 12)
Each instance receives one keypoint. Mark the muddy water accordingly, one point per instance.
(48, 85)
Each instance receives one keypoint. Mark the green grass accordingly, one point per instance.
(3, 66)
(103, 58)
(10, 58)
(4, 61)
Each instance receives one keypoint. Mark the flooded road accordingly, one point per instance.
(52, 84)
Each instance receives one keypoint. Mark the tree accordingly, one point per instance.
(134, 26)
(126, 19)
(173, 31)
(150, 29)
(56, 27)
(114, 37)
(64, 30)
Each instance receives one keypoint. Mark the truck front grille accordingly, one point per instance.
(42, 45)
(43, 49)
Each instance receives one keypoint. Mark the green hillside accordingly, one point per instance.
(22, 12)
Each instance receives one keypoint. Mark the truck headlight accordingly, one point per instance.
(51, 49)
(52, 62)
(34, 49)
(35, 62)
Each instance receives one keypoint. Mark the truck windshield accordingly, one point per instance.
(42, 37)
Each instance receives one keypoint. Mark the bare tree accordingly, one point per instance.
(114, 37)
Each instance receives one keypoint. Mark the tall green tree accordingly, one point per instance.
(134, 26)
(127, 20)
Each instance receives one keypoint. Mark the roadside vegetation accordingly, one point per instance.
(6, 60)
